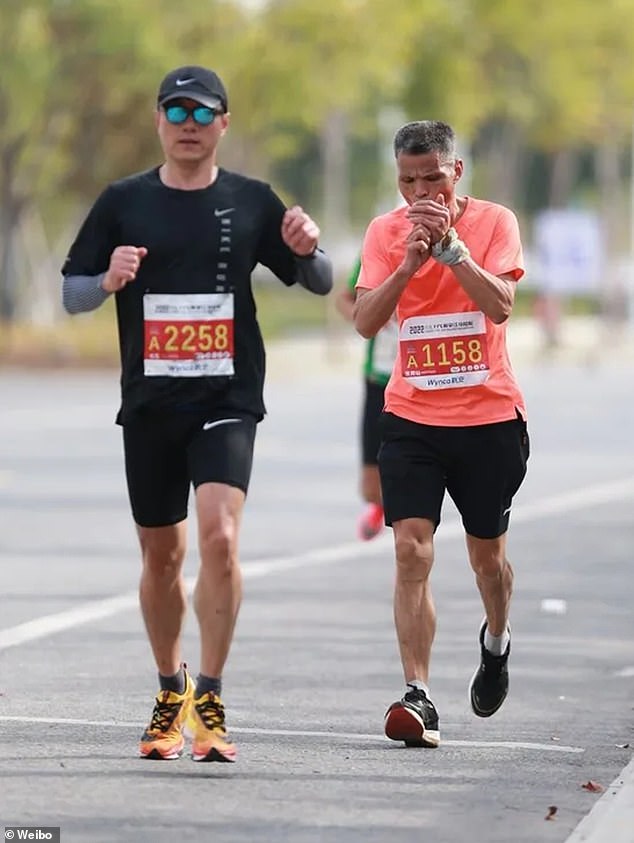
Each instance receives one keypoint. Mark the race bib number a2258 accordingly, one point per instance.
(188, 334)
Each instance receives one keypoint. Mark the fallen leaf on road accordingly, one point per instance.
(593, 787)
(552, 810)
(618, 746)
(553, 738)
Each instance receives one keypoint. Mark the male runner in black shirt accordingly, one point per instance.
(177, 245)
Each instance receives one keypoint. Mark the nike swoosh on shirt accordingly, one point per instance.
(180, 82)
(221, 213)
(209, 425)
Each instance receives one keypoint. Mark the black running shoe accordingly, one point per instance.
(490, 683)
(413, 719)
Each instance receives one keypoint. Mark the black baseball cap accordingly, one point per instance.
(195, 83)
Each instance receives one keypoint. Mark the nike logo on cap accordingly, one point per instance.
(221, 213)
(180, 82)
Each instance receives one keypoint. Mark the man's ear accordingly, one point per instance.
(458, 169)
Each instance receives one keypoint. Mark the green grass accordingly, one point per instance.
(90, 339)
(285, 311)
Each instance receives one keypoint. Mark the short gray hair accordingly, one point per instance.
(423, 136)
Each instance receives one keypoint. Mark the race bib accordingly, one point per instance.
(188, 335)
(445, 351)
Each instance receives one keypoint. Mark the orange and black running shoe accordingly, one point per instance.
(206, 727)
(163, 739)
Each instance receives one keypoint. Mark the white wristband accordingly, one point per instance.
(450, 250)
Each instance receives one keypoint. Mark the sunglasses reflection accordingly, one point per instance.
(200, 114)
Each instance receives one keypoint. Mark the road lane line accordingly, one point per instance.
(297, 733)
(571, 501)
(626, 673)
(97, 610)
(101, 609)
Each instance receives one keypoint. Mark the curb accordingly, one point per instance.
(612, 818)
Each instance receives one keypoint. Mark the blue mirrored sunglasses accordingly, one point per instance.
(201, 114)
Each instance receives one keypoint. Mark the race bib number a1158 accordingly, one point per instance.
(445, 351)
(188, 334)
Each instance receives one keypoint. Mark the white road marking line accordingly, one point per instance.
(97, 610)
(554, 606)
(297, 733)
(570, 501)
(100, 609)
(612, 817)
(82, 417)
(50, 624)
(626, 673)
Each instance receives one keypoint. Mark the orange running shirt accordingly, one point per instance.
(453, 367)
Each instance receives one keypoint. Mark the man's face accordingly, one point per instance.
(425, 176)
(189, 141)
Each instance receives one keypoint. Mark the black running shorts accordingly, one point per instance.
(481, 467)
(370, 430)
(166, 453)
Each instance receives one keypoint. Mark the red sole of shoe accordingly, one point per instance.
(402, 725)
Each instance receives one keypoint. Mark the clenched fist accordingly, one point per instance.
(124, 265)
(299, 231)
(433, 214)
(417, 244)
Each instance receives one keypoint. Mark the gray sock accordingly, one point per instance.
(174, 683)
(207, 684)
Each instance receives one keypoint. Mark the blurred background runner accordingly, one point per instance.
(377, 368)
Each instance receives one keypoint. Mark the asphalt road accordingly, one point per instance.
(314, 663)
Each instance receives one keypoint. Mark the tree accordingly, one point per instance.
(77, 91)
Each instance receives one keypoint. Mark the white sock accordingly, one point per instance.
(419, 684)
(496, 644)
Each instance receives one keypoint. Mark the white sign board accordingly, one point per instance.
(569, 254)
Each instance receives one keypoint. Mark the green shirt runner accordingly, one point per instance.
(381, 349)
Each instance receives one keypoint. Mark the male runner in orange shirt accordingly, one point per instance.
(454, 417)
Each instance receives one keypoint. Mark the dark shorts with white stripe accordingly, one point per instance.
(166, 453)
(481, 467)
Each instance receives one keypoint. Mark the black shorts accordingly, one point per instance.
(481, 467)
(165, 453)
(370, 431)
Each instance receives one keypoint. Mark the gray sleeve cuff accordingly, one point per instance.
(314, 272)
(82, 293)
